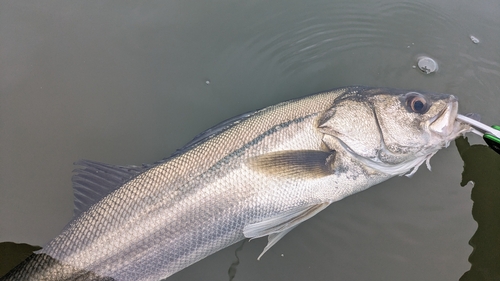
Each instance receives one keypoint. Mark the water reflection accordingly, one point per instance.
(482, 166)
(233, 268)
(12, 254)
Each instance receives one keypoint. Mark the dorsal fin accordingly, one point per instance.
(203, 136)
(211, 132)
(94, 180)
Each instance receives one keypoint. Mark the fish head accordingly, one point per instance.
(391, 130)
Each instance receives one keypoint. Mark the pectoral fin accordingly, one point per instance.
(278, 226)
(295, 163)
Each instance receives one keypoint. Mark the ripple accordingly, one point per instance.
(480, 66)
(320, 37)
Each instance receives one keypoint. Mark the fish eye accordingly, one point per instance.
(417, 103)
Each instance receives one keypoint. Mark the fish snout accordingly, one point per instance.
(443, 124)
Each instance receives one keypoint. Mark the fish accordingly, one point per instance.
(258, 174)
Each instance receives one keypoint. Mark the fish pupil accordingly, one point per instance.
(418, 106)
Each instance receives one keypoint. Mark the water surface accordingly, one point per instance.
(126, 83)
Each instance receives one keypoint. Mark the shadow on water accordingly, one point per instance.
(482, 166)
(12, 254)
(232, 269)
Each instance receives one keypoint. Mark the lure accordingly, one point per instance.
(491, 135)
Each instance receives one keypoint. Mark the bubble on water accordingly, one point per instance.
(427, 65)
(474, 39)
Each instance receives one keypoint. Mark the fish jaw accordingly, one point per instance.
(445, 126)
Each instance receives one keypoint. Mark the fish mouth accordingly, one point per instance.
(445, 125)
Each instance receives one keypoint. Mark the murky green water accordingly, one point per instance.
(126, 83)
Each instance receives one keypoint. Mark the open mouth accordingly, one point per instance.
(443, 123)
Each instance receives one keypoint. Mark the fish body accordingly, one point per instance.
(260, 174)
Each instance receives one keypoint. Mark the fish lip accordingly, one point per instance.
(437, 116)
(445, 128)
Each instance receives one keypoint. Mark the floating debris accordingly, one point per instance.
(207, 82)
(427, 65)
(474, 39)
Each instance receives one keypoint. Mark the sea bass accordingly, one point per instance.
(258, 174)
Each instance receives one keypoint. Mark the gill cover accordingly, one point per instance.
(352, 121)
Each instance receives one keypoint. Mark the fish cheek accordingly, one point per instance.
(354, 124)
(401, 130)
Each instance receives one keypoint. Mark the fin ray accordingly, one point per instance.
(295, 163)
(95, 180)
(211, 132)
(273, 239)
(278, 226)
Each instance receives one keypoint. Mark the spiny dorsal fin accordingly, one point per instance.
(94, 180)
(213, 131)
(295, 163)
